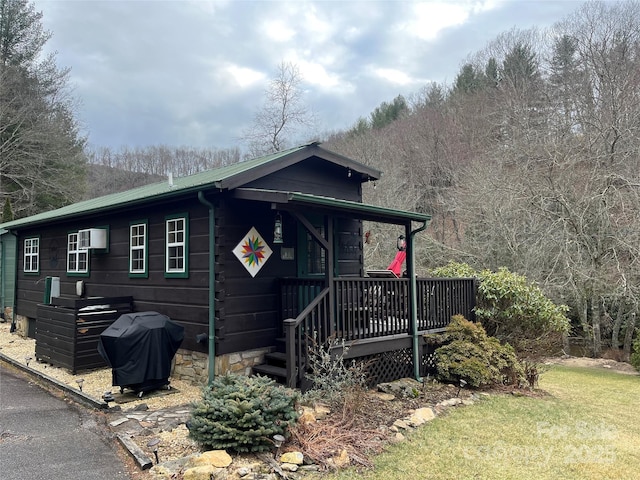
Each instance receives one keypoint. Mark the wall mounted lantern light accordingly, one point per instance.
(277, 229)
(401, 244)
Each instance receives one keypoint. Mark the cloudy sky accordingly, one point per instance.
(193, 73)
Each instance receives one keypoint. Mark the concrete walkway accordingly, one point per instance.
(43, 437)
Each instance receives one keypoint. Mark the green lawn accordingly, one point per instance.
(587, 428)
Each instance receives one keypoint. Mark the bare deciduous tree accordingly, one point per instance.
(117, 170)
(283, 114)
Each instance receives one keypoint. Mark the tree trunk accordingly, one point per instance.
(566, 345)
(595, 323)
(615, 342)
(628, 338)
(584, 319)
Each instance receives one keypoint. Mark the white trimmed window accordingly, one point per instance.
(176, 253)
(138, 249)
(31, 255)
(77, 259)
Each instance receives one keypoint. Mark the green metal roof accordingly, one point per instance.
(225, 177)
(363, 210)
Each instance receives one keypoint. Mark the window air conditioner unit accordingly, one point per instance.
(92, 238)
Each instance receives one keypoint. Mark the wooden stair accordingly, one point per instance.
(274, 366)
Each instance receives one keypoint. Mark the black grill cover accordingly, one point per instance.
(139, 347)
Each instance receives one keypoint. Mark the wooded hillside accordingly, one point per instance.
(530, 160)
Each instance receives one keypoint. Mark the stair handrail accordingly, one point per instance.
(296, 358)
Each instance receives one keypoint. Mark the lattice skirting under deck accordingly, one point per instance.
(393, 365)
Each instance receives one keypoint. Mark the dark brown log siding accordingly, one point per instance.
(246, 307)
(250, 304)
(182, 299)
(316, 177)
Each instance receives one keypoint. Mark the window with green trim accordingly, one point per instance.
(176, 251)
(138, 249)
(77, 258)
(32, 255)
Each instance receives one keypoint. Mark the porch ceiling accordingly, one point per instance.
(364, 211)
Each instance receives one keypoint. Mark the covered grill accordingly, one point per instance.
(139, 347)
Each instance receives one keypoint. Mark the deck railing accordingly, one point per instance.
(371, 307)
(366, 308)
(311, 323)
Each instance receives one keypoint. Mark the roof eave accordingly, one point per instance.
(34, 222)
(242, 178)
(362, 210)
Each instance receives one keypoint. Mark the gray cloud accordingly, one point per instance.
(193, 72)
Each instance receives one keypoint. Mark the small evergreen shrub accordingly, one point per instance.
(242, 414)
(469, 354)
(635, 354)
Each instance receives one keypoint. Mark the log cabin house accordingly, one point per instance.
(251, 258)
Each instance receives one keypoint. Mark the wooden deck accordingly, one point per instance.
(371, 315)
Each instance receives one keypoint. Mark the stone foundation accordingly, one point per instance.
(194, 366)
(22, 325)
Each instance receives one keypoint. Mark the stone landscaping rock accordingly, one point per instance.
(420, 416)
(160, 472)
(292, 457)
(119, 421)
(451, 402)
(401, 424)
(321, 411)
(289, 467)
(170, 468)
(403, 388)
(243, 472)
(307, 417)
(341, 460)
(215, 458)
(386, 397)
(203, 472)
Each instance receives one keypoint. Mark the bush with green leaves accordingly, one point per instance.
(635, 354)
(514, 310)
(471, 355)
(242, 414)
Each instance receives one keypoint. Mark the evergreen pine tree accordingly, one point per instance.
(7, 211)
(242, 414)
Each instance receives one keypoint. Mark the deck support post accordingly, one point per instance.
(330, 275)
(413, 302)
(290, 342)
